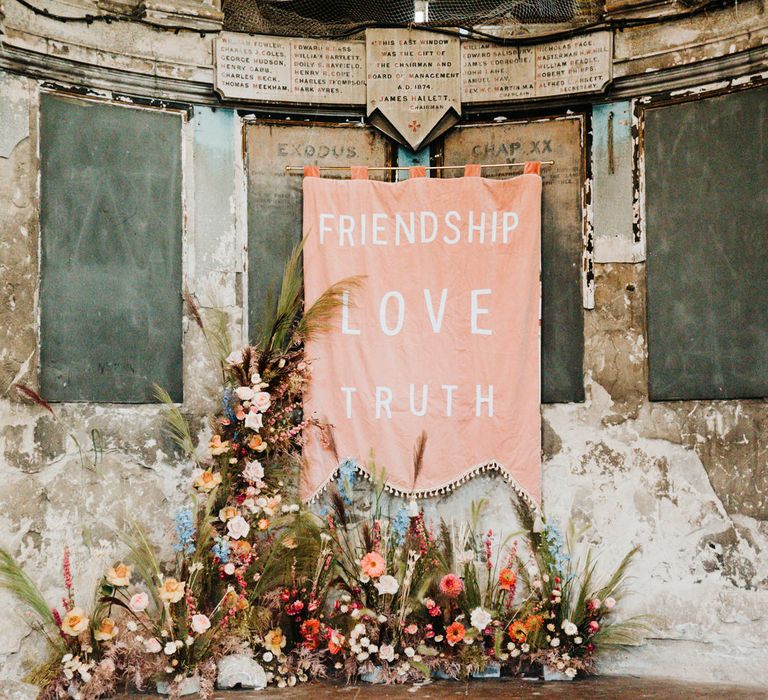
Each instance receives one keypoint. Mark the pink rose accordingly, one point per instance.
(138, 602)
(593, 626)
(200, 623)
(411, 629)
(238, 527)
(594, 604)
(609, 603)
(244, 393)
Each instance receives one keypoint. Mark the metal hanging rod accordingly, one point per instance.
(300, 168)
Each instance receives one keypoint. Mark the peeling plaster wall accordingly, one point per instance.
(687, 481)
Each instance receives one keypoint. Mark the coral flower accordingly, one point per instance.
(336, 642)
(217, 446)
(518, 631)
(373, 564)
(454, 633)
(507, 579)
(451, 585)
(207, 481)
(533, 622)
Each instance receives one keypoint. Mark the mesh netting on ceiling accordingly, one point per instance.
(342, 18)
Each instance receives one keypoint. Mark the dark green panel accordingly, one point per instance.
(274, 197)
(706, 184)
(111, 225)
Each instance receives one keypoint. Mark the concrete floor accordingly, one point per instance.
(604, 688)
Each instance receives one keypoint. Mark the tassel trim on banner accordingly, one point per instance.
(443, 490)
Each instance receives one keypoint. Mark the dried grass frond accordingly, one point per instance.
(176, 426)
(18, 584)
(418, 456)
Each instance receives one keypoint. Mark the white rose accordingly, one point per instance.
(254, 420)
(138, 602)
(253, 471)
(577, 640)
(387, 584)
(480, 619)
(131, 626)
(244, 393)
(229, 568)
(238, 527)
(570, 672)
(170, 648)
(555, 642)
(261, 401)
(409, 652)
(609, 603)
(569, 628)
(362, 656)
(200, 623)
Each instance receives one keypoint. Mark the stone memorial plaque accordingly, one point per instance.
(274, 196)
(562, 230)
(493, 73)
(281, 69)
(414, 80)
(253, 67)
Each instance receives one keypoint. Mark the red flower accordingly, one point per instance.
(295, 607)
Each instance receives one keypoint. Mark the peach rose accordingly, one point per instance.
(217, 446)
(172, 591)
(275, 640)
(227, 513)
(107, 630)
(207, 481)
(373, 564)
(257, 443)
(74, 623)
(261, 401)
(119, 575)
(200, 623)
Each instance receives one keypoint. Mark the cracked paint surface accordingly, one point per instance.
(687, 481)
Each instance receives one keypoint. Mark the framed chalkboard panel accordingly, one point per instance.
(274, 197)
(562, 227)
(706, 203)
(111, 266)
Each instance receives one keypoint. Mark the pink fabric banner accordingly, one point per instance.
(442, 335)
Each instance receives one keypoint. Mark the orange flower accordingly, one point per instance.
(507, 579)
(311, 626)
(240, 548)
(263, 524)
(373, 564)
(257, 443)
(534, 623)
(518, 631)
(207, 481)
(336, 642)
(454, 633)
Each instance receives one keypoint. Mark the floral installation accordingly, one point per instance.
(376, 593)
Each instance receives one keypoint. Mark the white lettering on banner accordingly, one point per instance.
(435, 319)
(348, 391)
(383, 400)
(436, 322)
(385, 396)
(400, 313)
(345, 327)
(477, 310)
(422, 227)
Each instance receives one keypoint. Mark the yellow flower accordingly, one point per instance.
(172, 591)
(227, 513)
(217, 446)
(119, 575)
(208, 480)
(107, 630)
(74, 623)
(275, 640)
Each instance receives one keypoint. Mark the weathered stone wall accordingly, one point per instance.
(687, 481)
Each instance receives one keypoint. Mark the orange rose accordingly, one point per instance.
(107, 630)
(227, 513)
(336, 642)
(257, 443)
(119, 575)
(454, 633)
(507, 579)
(74, 623)
(373, 564)
(207, 481)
